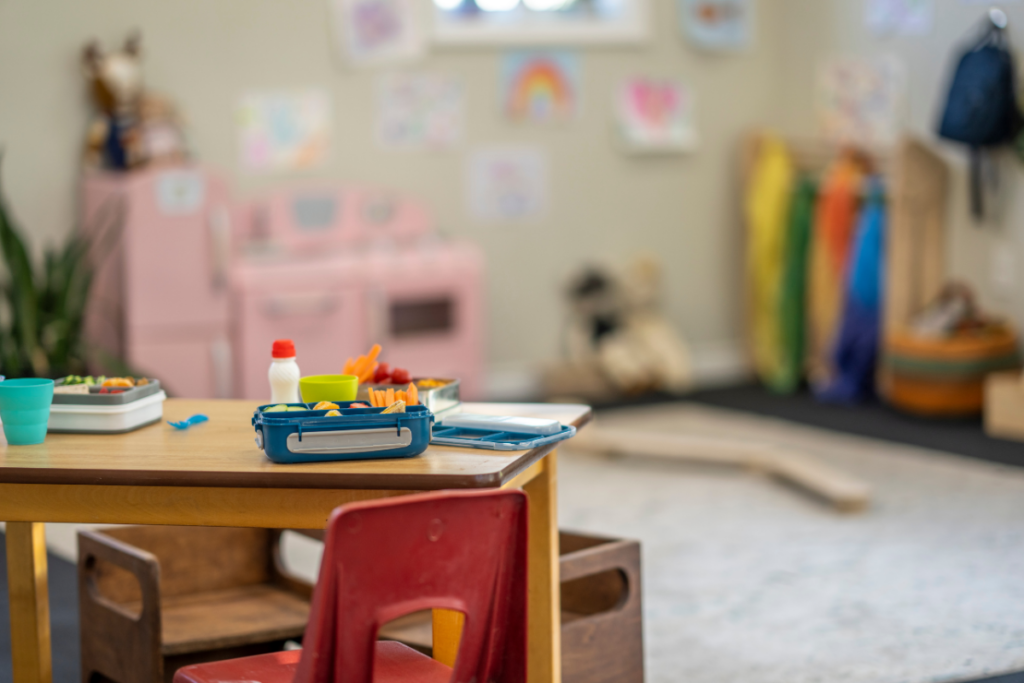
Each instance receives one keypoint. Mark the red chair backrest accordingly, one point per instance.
(458, 550)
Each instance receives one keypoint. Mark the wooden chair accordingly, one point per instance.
(456, 550)
(602, 612)
(602, 619)
(155, 598)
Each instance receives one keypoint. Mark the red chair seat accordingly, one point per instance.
(392, 663)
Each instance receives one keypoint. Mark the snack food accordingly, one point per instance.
(396, 407)
(119, 382)
(71, 389)
(364, 366)
(380, 398)
(333, 413)
(78, 379)
(325, 405)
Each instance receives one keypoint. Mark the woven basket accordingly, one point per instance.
(945, 377)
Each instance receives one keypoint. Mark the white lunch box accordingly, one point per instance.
(107, 419)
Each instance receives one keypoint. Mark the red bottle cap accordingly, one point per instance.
(283, 348)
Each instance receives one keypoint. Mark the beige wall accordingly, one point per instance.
(603, 203)
(816, 29)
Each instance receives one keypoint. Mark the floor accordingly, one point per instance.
(923, 587)
(748, 580)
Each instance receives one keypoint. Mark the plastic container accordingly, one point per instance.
(284, 373)
(357, 434)
(107, 413)
(497, 440)
(318, 388)
(95, 398)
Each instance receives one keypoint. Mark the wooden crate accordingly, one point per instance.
(602, 627)
(1004, 405)
(602, 630)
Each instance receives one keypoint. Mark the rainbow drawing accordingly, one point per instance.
(540, 85)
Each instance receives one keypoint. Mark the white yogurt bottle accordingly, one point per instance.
(284, 373)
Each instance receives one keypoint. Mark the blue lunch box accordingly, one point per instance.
(357, 434)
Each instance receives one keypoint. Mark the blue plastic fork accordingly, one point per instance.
(185, 424)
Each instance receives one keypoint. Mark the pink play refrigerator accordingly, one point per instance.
(160, 299)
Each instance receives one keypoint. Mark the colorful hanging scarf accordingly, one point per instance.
(767, 210)
(834, 223)
(856, 348)
(793, 297)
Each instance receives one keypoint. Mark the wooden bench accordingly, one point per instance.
(155, 598)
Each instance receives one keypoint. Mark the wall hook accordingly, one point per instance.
(998, 18)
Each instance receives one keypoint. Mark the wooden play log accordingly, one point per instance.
(844, 491)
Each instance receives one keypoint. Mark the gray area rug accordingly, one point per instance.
(747, 580)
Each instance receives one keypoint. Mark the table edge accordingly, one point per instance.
(278, 479)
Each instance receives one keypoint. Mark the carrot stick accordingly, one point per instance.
(374, 352)
(368, 375)
(347, 370)
(390, 398)
(414, 395)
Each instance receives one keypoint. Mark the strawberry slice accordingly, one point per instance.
(382, 374)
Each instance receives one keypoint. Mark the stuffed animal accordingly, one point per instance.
(616, 324)
(134, 128)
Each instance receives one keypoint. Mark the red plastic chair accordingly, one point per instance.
(457, 550)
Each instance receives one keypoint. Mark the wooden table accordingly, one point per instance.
(213, 475)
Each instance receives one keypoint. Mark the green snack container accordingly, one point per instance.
(334, 388)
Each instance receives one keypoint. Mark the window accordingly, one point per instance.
(539, 21)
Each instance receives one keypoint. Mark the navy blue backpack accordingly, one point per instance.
(981, 108)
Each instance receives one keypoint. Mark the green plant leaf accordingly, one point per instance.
(41, 333)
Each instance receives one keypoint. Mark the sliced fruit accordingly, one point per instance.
(382, 373)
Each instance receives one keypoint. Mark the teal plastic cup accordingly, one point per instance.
(25, 410)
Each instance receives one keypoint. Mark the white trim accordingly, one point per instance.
(719, 363)
(713, 364)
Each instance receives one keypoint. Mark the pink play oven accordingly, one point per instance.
(200, 285)
(339, 268)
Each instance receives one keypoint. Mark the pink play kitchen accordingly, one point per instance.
(201, 283)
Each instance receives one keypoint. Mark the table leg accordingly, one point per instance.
(447, 635)
(545, 611)
(30, 602)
